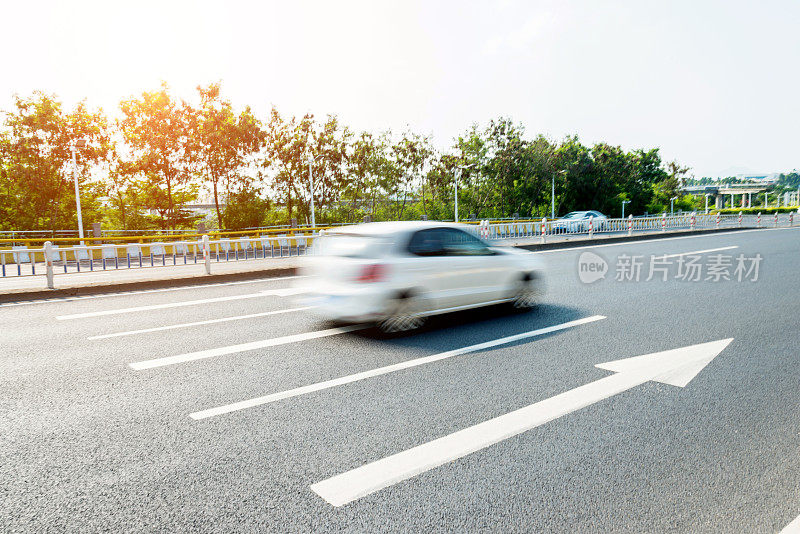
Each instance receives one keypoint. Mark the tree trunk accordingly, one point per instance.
(216, 204)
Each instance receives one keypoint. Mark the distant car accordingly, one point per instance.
(395, 274)
(578, 222)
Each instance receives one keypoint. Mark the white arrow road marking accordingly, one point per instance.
(793, 527)
(267, 292)
(676, 367)
(199, 323)
(258, 401)
(233, 349)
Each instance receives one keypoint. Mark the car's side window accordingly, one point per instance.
(459, 243)
(427, 243)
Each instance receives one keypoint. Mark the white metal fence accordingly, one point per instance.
(24, 261)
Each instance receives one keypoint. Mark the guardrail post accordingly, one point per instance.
(758, 220)
(544, 229)
(740, 219)
(693, 220)
(591, 226)
(207, 254)
(718, 219)
(630, 224)
(791, 218)
(776, 219)
(48, 262)
(663, 222)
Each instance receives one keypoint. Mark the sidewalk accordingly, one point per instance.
(117, 280)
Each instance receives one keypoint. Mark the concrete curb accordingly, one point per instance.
(274, 272)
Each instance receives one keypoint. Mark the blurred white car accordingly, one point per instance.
(397, 273)
(578, 222)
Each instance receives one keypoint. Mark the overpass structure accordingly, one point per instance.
(726, 195)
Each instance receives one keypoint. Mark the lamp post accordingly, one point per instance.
(672, 206)
(311, 188)
(623, 207)
(707, 195)
(79, 143)
(459, 168)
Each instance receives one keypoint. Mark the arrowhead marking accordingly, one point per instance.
(676, 367)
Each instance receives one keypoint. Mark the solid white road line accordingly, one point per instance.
(198, 323)
(793, 527)
(698, 252)
(267, 292)
(211, 412)
(659, 240)
(233, 349)
(676, 367)
(145, 291)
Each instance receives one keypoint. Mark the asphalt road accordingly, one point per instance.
(89, 442)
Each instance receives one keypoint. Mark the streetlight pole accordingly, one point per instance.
(311, 187)
(707, 195)
(79, 143)
(672, 206)
(623, 207)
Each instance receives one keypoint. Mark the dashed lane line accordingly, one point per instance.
(199, 323)
(258, 401)
(242, 347)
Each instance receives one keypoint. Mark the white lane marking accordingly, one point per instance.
(199, 323)
(793, 527)
(697, 252)
(144, 291)
(676, 367)
(266, 292)
(258, 401)
(624, 243)
(233, 349)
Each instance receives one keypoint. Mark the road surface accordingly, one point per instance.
(229, 407)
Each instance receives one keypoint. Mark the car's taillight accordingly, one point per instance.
(372, 273)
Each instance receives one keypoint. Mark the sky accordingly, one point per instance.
(714, 85)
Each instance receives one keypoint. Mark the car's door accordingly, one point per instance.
(476, 273)
(425, 268)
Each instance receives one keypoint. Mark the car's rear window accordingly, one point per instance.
(351, 245)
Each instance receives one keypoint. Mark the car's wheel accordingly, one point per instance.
(526, 293)
(403, 315)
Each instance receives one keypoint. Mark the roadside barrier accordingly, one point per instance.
(52, 258)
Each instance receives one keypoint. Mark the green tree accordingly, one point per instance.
(222, 141)
(157, 131)
(37, 185)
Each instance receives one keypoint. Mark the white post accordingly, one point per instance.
(740, 218)
(544, 229)
(691, 225)
(591, 226)
(77, 193)
(207, 254)
(48, 262)
(759, 219)
(630, 224)
(706, 203)
(553, 199)
(663, 222)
